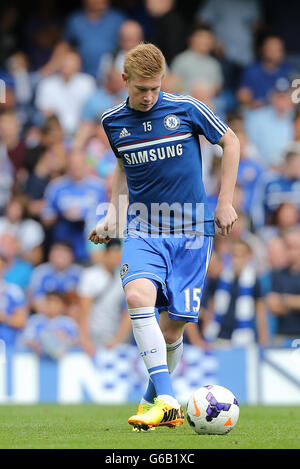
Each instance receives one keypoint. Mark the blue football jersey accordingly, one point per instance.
(64, 194)
(46, 279)
(161, 154)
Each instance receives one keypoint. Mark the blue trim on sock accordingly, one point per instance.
(141, 317)
(162, 383)
(171, 349)
(156, 368)
(150, 393)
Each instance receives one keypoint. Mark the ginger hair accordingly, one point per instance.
(145, 60)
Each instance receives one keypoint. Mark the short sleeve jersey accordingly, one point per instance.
(161, 155)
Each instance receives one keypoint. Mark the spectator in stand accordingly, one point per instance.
(12, 145)
(10, 130)
(92, 139)
(195, 65)
(93, 31)
(13, 307)
(275, 188)
(40, 167)
(249, 171)
(234, 24)
(52, 137)
(207, 94)
(283, 300)
(53, 332)
(214, 186)
(284, 21)
(111, 89)
(294, 144)
(15, 221)
(286, 216)
(242, 230)
(6, 178)
(276, 260)
(65, 93)
(214, 172)
(239, 315)
(112, 92)
(167, 28)
(100, 160)
(71, 203)
(9, 31)
(277, 254)
(18, 271)
(59, 274)
(9, 102)
(24, 85)
(195, 331)
(130, 35)
(50, 140)
(270, 128)
(171, 83)
(104, 319)
(259, 78)
(42, 30)
(296, 123)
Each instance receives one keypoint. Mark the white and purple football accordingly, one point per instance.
(212, 410)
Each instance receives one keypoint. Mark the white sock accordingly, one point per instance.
(152, 346)
(148, 336)
(174, 353)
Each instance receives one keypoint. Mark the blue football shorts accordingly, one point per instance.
(177, 267)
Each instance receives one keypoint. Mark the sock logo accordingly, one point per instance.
(146, 352)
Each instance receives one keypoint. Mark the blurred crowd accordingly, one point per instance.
(61, 71)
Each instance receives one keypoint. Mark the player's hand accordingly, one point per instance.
(101, 234)
(225, 217)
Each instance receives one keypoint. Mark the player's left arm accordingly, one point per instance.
(225, 214)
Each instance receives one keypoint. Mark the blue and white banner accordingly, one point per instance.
(119, 376)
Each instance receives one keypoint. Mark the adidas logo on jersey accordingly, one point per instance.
(124, 133)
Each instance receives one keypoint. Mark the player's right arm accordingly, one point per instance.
(114, 222)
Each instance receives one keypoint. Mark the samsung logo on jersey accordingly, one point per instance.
(154, 154)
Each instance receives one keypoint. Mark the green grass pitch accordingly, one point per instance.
(95, 426)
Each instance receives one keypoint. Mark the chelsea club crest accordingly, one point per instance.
(171, 122)
(124, 269)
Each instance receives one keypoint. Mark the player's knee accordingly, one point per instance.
(140, 293)
(171, 335)
(172, 330)
(136, 299)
